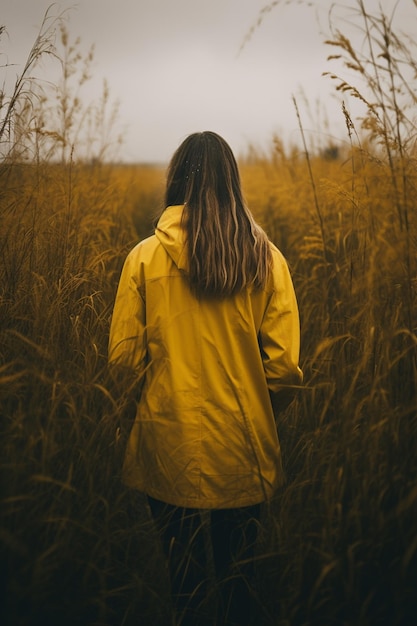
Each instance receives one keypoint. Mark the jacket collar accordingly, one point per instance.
(170, 233)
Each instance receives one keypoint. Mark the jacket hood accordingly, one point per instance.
(171, 235)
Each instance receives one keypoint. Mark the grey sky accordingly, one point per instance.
(175, 65)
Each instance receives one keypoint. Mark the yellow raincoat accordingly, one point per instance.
(204, 434)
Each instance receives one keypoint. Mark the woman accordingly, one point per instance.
(206, 317)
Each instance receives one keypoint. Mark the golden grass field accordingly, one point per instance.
(340, 541)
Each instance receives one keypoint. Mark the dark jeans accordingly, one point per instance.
(227, 543)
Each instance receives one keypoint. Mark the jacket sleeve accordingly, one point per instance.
(127, 341)
(279, 336)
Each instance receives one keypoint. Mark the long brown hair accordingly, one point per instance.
(227, 250)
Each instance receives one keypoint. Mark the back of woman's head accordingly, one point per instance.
(227, 250)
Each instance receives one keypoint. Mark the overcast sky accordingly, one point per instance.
(176, 66)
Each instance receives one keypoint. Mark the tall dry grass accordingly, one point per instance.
(68, 543)
(340, 542)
